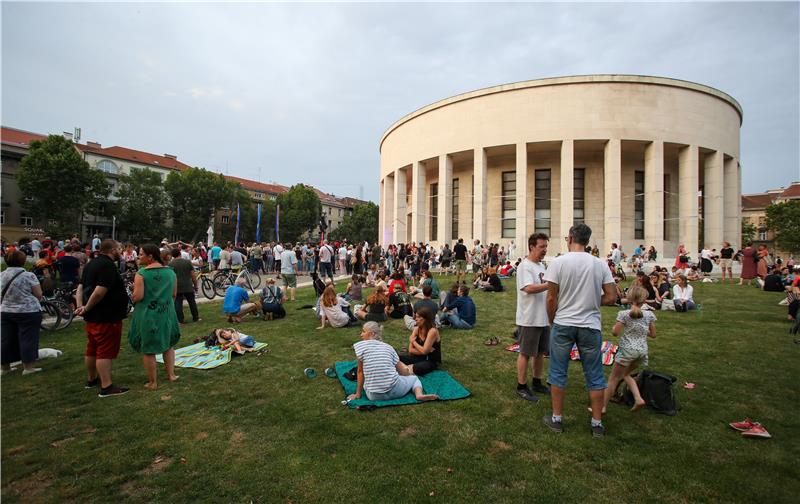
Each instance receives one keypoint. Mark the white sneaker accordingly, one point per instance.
(31, 371)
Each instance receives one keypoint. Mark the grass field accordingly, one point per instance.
(258, 430)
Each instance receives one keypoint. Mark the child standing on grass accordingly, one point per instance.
(635, 325)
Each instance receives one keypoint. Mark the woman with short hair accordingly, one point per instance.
(380, 373)
(21, 315)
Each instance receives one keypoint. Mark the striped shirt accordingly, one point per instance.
(379, 359)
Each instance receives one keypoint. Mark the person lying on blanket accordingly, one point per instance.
(228, 337)
(380, 373)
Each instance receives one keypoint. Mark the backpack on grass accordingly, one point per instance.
(657, 392)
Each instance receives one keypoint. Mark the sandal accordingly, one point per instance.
(492, 341)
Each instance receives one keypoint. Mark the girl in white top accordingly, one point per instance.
(635, 325)
(331, 309)
(682, 294)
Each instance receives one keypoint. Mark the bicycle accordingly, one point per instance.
(63, 298)
(207, 285)
(51, 315)
(225, 278)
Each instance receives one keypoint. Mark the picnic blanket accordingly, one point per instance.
(199, 356)
(436, 382)
(608, 349)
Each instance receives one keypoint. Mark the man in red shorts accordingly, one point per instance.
(103, 303)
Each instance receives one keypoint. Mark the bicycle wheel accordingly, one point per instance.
(51, 316)
(65, 312)
(207, 286)
(221, 283)
(255, 279)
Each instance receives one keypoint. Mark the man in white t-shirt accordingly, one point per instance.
(325, 256)
(276, 253)
(533, 331)
(615, 255)
(577, 284)
(343, 258)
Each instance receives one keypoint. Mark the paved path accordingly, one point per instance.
(302, 281)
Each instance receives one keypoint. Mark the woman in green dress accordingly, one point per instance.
(154, 328)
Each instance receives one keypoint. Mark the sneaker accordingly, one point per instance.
(31, 371)
(112, 391)
(744, 425)
(92, 383)
(598, 430)
(553, 426)
(540, 388)
(526, 394)
(757, 430)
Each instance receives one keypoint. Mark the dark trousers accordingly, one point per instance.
(422, 365)
(19, 337)
(189, 297)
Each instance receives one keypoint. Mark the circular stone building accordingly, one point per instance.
(641, 160)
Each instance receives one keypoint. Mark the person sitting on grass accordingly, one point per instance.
(375, 309)
(236, 304)
(426, 302)
(372, 276)
(354, 288)
(398, 278)
(636, 325)
(426, 279)
(507, 270)
(381, 375)
(334, 310)
(481, 278)
(399, 303)
(272, 299)
(693, 274)
(682, 295)
(424, 344)
(492, 282)
(461, 313)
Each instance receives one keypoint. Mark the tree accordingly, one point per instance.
(361, 225)
(300, 210)
(748, 230)
(783, 219)
(142, 205)
(247, 220)
(58, 186)
(196, 195)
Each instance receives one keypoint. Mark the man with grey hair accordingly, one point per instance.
(577, 284)
(380, 374)
(236, 304)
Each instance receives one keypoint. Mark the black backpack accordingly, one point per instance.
(657, 392)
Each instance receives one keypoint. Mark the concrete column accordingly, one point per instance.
(388, 209)
(479, 194)
(688, 211)
(445, 201)
(612, 176)
(731, 201)
(523, 209)
(418, 176)
(400, 208)
(381, 207)
(567, 210)
(713, 203)
(654, 195)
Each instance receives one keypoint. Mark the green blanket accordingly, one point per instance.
(199, 356)
(435, 382)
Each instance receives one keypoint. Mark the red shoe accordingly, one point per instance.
(744, 425)
(757, 430)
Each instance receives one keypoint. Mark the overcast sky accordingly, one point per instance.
(302, 93)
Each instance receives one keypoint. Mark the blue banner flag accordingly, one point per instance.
(238, 215)
(258, 224)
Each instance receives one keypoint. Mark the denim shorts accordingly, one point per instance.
(589, 342)
(403, 386)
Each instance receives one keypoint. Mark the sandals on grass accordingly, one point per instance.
(492, 341)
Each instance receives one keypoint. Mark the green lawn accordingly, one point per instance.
(258, 430)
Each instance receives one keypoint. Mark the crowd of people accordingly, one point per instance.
(558, 304)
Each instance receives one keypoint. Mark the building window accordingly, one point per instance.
(25, 220)
(542, 205)
(509, 215)
(225, 219)
(2, 216)
(434, 211)
(455, 210)
(578, 201)
(638, 201)
(762, 235)
(108, 166)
